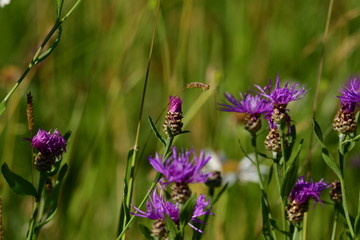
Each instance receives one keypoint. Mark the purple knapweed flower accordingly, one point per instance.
(282, 95)
(158, 208)
(299, 197)
(345, 120)
(304, 191)
(49, 144)
(184, 167)
(252, 106)
(350, 95)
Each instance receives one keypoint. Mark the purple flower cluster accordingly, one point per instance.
(158, 208)
(350, 95)
(270, 101)
(282, 95)
(304, 191)
(253, 105)
(49, 144)
(184, 167)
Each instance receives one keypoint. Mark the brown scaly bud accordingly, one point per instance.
(158, 229)
(279, 113)
(345, 122)
(252, 122)
(335, 192)
(295, 212)
(44, 163)
(29, 112)
(173, 118)
(214, 179)
(180, 192)
(273, 141)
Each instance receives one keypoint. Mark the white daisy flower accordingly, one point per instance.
(233, 171)
(3, 3)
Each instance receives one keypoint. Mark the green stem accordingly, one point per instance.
(346, 211)
(32, 232)
(261, 182)
(130, 175)
(333, 233)
(283, 219)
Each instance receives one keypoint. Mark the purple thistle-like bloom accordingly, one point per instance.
(184, 167)
(174, 104)
(304, 191)
(253, 105)
(350, 95)
(158, 208)
(49, 144)
(282, 95)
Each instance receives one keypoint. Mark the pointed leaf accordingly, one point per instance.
(171, 227)
(18, 184)
(146, 231)
(329, 160)
(187, 210)
(52, 200)
(67, 135)
(157, 134)
(290, 175)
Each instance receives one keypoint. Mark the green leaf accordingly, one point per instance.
(52, 201)
(67, 135)
(329, 160)
(290, 175)
(18, 184)
(157, 134)
(265, 218)
(173, 231)
(187, 210)
(2, 107)
(145, 231)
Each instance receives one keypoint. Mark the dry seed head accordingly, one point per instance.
(203, 86)
(295, 212)
(214, 179)
(180, 192)
(29, 112)
(345, 122)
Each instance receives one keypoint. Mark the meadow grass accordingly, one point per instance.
(92, 84)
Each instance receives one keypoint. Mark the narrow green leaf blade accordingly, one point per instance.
(18, 184)
(2, 107)
(171, 227)
(290, 175)
(157, 134)
(187, 210)
(145, 231)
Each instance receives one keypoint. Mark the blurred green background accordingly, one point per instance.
(92, 84)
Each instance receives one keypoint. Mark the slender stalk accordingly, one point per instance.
(318, 81)
(346, 211)
(261, 181)
(130, 171)
(32, 234)
(283, 219)
(333, 232)
(304, 226)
